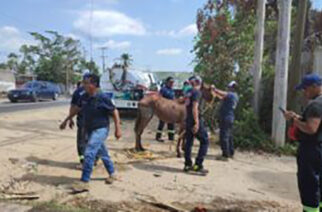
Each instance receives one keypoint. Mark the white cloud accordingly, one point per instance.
(111, 44)
(172, 51)
(11, 39)
(107, 23)
(189, 30)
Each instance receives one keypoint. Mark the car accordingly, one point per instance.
(34, 91)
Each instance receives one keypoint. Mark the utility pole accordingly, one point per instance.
(295, 72)
(281, 71)
(258, 57)
(103, 57)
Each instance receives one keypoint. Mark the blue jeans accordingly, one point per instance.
(202, 136)
(96, 146)
(226, 137)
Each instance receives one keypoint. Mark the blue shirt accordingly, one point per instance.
(167, 92)
(75, 98)
(95, 110)
(228, 106)
(192, 96)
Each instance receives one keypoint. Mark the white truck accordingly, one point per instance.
(126, 95)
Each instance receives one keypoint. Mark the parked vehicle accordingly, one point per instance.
(126, 95)
(34, 91)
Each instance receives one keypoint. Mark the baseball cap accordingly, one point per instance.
(232, 84)
(195, 79)
(309, 80)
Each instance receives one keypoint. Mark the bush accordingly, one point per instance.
(249, 136)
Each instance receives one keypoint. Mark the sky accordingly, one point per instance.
(158, 34)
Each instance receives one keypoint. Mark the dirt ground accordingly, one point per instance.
(38, 159)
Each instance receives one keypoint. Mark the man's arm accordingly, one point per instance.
(310, 127)
(219, 93)
(117, 123)
(73, 111)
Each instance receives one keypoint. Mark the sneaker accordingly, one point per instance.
(80, 187)
(187, 168)
(200, 169)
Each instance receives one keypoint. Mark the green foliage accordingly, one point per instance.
(54, 58)
(249, 136)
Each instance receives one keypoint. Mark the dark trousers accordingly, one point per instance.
(202, 136)
(309, 175)
(171, 130)
(81, 142)
(226, 137)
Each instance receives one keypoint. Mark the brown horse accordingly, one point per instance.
(169, 111)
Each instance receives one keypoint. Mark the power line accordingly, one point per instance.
(90, 29)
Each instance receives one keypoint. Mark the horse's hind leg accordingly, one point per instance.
(180, 142)
(145, 115)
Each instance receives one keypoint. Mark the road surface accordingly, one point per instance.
(6, 106)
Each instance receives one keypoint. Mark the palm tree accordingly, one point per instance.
(126, 61)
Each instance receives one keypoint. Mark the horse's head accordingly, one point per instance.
(207, 93)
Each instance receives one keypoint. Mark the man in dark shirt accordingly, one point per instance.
(81, 137)
(96, 108)
(309, 155)
(195, 127)
(168, 93)
(226, 119)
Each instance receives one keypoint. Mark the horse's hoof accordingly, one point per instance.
(178, 155)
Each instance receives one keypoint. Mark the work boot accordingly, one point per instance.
(187, 168)
(224, 158)
(159, 140)
(200, 169)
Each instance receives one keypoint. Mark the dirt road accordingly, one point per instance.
(36, 157)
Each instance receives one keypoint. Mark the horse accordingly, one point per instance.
(169, 111)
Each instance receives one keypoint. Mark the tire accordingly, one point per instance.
(55, 96)
(13, 101)
(34, 98)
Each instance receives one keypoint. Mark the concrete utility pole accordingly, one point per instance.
(103, 57)
(281, 71)
(295, 71)
(258, 57)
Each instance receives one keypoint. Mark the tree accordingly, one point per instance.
(259, 50)
(295, 71)
(281, 75)
(53, 58)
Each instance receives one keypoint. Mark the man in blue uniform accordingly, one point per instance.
(227, 117)
(195, 127)
(309, 155)
(168, 93)
(96, 108)
(81, 137)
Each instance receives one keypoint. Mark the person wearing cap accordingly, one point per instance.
(195, 127)
(96, 107)
(226, 119)
(168, 93)
(309, 154)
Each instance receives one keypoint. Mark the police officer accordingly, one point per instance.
(309, 155)
(227, 117)
(168, 93)
(195, 127)
(96, 108)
